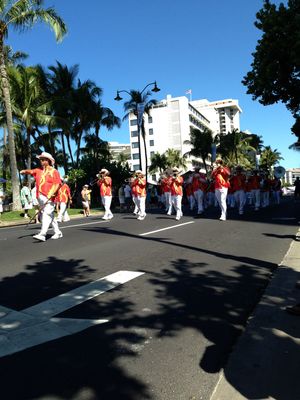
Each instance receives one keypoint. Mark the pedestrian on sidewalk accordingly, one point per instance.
(26, 198)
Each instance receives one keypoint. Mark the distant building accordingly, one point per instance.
(117, 148)
(291, 174)
(171, 120)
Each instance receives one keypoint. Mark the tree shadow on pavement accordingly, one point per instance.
(79, 366)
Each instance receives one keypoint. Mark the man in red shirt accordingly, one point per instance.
(48, 182)
(199, 187)
(221, 174)
(63, 197)
(238, 182)
(176, 192)
(139, 184)
(105, 185)
(166, 189)
(254, 182)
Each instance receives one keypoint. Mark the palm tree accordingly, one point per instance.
(131, 106)
(269, 158)
(61, 86)
(30, 104)
(201, 142)
(175, 159)
(21, 15)
(158, 163)
(235, 147)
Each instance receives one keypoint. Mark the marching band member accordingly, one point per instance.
(190, 194)
(166, 189)
(276, 187)
(134, 194)
(140, 189)
(221, 174)
(176, 192)
(105, 185)
(47, 182)
(254, 182)
(265, 189)
(238, 182)
(63, 197)
(199, 186)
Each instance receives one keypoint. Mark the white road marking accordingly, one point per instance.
(35, 325)
(84, 224)
(165, 229)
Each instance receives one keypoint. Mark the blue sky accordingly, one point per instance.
(201, 45)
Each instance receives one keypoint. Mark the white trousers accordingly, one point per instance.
(141, 204)
(106, 201)
(221, 195)
(47, 213)
(240, 199)
(168, 199)
(199, 200)
(265, 199)
(135, 202)
(63, 213)
(176, 201)
(256, 197)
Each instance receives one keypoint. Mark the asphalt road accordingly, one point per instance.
(169, 331)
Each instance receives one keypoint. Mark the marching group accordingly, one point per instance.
(223, 188)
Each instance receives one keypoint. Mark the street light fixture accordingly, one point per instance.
(139, 111)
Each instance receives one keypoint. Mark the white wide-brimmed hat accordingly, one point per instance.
(138, 171)
(103, 171)
(46, 155)
(175, 169)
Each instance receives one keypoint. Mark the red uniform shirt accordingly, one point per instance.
(166, 184)
(221, 175)
(46, 180)
(254, 181)
(140, 187)
(238, 182)
(105, 185)
(64, 194)
(176, 186)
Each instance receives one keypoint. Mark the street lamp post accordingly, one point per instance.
(139, 112)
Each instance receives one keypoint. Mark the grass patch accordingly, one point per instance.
(15, 216)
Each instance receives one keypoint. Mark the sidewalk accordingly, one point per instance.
(265, 361)
(23, 221)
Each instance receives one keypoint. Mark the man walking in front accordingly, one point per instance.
(48, 182)
(105, 185)
(221, 174)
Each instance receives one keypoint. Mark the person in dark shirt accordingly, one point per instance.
(297, 188)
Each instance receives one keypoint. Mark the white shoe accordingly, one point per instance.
(222, 218)
(177, 218)
(58, 220)
(105, 218)
(57, 235)
(40, 237)
(141, 217)
(110, 216)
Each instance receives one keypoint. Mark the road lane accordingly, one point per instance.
(170, 331)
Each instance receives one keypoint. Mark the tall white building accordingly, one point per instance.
(171, 120)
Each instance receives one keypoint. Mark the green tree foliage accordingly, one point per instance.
(269, 158)
(20, 15)
(275, 74)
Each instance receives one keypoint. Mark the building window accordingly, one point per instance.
(152, 154)
(135, 145)
(151, 142)
(133, 122)
(136, 156)
(134, 133)
(136, 167)
(150, 131)
(153, 178)
(150, 120)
